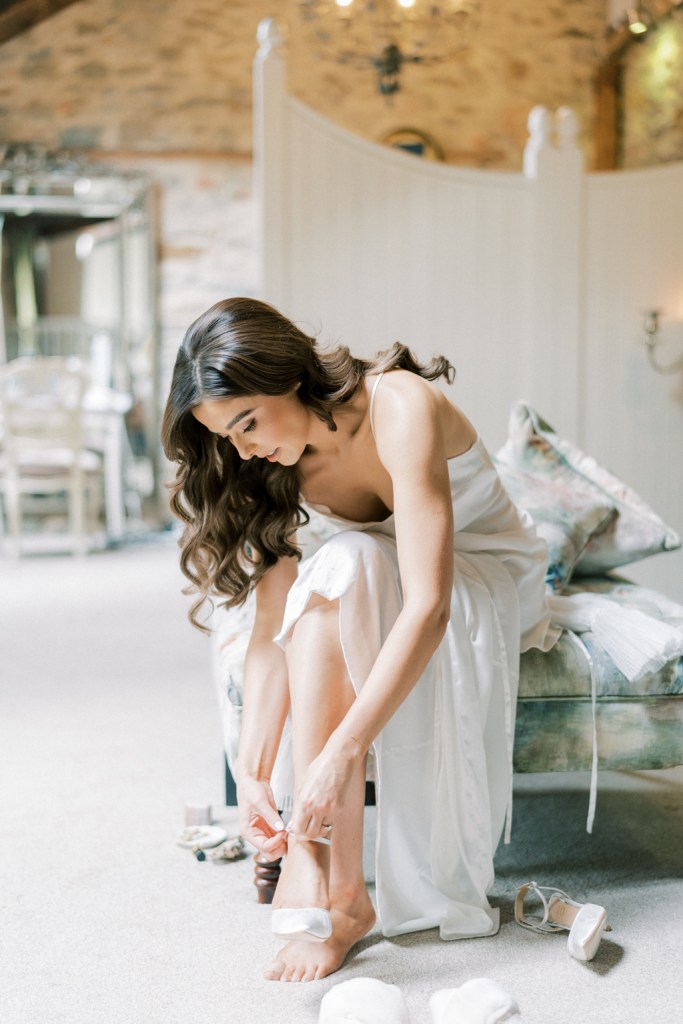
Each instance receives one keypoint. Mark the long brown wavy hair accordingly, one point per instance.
(240, 515)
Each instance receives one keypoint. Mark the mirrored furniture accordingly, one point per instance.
(78, 278)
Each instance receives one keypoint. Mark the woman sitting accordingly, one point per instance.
(403, 632)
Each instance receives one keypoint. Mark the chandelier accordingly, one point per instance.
(386, 34)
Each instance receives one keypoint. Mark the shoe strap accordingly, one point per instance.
(544, 925)
(309, 839)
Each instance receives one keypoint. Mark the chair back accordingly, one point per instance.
(41, 405)
(49, 336)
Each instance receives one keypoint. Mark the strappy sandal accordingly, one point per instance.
(303, 924)
(585, 922)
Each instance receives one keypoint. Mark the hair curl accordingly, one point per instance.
(240, 515)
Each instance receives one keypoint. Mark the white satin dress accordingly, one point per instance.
(443, 763)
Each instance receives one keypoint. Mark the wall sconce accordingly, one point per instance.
(652, 340)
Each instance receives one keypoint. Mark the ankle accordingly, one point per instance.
(305, 850)
(349, 894)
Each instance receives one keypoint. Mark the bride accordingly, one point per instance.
(401, 633)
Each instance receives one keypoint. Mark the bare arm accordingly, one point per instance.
(412, 449)
(265, 707)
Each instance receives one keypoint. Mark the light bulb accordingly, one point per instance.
(637, 23)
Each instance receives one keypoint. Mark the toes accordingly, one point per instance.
(274, 972)
(299, 962)
(309, 973)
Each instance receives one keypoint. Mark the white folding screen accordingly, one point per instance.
(533, 284)
(632, 417)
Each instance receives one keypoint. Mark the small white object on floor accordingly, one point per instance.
(201, 837)
(363, 1001)
(478, 1001)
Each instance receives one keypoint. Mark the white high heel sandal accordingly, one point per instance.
(303, 924)
(585, 922)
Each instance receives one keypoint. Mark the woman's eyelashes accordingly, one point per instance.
(251, 425)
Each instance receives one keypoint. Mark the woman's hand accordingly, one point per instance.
(323, 790)
(260, 822)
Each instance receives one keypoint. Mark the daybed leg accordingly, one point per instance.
(266, 878)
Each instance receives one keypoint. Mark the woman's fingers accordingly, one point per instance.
(275, 847)
(267, 824)
(265, 838)
(260, 821)
(312, 826)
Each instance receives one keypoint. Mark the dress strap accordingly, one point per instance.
(372, 401)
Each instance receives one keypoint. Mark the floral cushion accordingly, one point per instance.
(635, 532)
(565, 517)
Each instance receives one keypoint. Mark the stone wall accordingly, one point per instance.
(651, 101)
(476, 105)
(175, 75)
(166, 85)
(206, 238)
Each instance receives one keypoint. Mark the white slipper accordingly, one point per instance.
(479, 1001)
(306, 924)
(363, 1001)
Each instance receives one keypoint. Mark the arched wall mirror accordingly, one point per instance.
(79, 278)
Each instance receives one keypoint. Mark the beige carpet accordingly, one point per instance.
(110, 727)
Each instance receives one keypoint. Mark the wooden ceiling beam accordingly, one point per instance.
(17, 16)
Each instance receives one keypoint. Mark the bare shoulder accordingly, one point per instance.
(409, 407)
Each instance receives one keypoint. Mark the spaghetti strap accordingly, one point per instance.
(372, 401)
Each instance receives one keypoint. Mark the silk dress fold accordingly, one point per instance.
(443, 763)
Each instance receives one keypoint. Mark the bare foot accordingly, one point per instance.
(311, 961)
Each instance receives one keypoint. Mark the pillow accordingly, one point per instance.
(636, 531)
(565, 517)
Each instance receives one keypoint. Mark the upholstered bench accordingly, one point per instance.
(576, 710)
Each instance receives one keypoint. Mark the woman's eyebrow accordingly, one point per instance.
(237, 418)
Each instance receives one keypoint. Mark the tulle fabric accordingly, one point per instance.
(443, 763)
(637, 642)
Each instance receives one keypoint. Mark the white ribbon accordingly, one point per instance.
(637, 643)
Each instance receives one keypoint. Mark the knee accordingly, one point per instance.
(314, 640)
(321, 616)
(319, 612)
(355, 552)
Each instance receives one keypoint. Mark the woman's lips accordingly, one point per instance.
(273, 455)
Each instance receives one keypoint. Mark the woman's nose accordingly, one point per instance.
(245, 449)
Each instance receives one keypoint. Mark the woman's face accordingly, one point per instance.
(273, 427)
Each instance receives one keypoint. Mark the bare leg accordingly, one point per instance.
(315, 875)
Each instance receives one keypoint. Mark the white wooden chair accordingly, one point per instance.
(43, 453)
